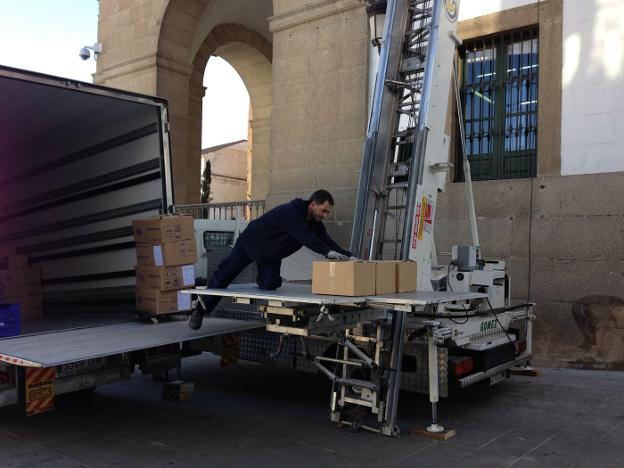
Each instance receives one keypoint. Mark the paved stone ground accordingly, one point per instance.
(253, 415)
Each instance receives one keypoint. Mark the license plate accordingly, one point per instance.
(498, 378)
(80, 366)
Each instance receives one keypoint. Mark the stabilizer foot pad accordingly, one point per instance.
(527, 371)
(423, 432)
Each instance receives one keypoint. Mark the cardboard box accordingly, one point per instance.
(161, 302)
(18, 262)
(167, 254)
(165, 278)
(163, 229)
(21, 277)
(343, 278)
(406, 276)
(385, 277)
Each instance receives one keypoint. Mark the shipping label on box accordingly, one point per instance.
(167, 254)
(385, 277)
(343, 278)
(162, 302)
(165, 278)
(184, 301)
(163, 229)
(406, 276)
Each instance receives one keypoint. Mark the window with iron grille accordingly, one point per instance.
(499, 95)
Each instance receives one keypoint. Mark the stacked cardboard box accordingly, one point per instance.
(166, 253)
(20, 284)
(361, 278)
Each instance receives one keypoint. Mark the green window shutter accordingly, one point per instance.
(500, 99)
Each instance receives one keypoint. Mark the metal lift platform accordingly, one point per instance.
(302, 294)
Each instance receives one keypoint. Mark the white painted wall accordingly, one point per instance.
(592, 129)
(472, 8)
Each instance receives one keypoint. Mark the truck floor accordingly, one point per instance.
(66, 345)
(254, 415)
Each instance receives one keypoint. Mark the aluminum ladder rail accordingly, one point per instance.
(406, 151)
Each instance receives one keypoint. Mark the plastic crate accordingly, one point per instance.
(10, 323)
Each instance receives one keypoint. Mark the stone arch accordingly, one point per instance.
(179, 79)
(250, 54)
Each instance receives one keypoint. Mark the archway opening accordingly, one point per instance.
(226, 153)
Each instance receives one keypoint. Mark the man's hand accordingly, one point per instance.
(333, 255)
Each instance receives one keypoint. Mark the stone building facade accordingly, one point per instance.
(229, 171)
(305, 65)
(561, 232)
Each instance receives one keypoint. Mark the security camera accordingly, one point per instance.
(84, 53)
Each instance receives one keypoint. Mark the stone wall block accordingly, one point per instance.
(276, 198)
(569, 280)
(295, 92)
(493, 197)
(448, 232)
(556, 336)
(495, 235)
(340, 232)
(341, 177)
(518, 271)
(325, 59)
(584, 195)
(345, 204)
(520, 237)
(349, 151)
(452, 203)
(589, 238)
(328, 36)
(353, 54)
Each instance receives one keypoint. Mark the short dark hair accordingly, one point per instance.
(320, 197)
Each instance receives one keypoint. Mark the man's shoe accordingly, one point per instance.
(197, 317)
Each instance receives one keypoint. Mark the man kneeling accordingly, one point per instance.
(275, 235)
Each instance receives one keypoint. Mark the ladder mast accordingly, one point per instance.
(377, 145)
(406, 152)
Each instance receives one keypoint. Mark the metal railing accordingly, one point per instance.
(249, 209)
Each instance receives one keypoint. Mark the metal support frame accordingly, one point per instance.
(9, 393)
(434, 396)
(370, 335)
(394, 384)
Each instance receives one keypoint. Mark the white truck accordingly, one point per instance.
(83, 160)
(78, 162)
(459, 327)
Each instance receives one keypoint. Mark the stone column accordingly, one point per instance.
(260, 142)
(320, 53)
(173, 82)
